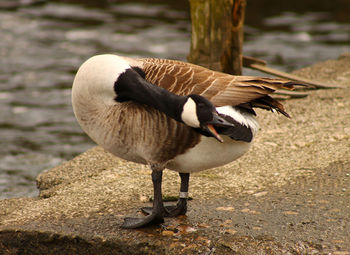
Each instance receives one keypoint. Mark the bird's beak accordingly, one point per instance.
(210, 128)
(216, 121)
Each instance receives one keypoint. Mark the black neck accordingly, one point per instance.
(131, 86)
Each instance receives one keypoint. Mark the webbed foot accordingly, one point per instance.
(152, 219)
(172, 210)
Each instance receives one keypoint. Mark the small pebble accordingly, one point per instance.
(203, 225)
(167, 233)
(144, 198)
(245, 210)
(260, 194)
(185, 229)
(230, 231)
(229, 208)
(290, 213)
(341, 253)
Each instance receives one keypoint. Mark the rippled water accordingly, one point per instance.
(43, 44)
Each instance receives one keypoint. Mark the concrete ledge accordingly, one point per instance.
(289, 195)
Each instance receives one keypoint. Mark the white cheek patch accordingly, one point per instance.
(189, 114)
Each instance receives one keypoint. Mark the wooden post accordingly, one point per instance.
(217, 34)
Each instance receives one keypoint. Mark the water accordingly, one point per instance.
(43, 43)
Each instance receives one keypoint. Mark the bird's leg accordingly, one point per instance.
(158, 212)
(181, 207)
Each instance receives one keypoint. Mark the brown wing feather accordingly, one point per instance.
(221, 89)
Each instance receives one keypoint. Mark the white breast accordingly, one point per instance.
(207, 154)
(210, 153)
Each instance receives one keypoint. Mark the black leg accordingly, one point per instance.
(158, 210)
(181, 207)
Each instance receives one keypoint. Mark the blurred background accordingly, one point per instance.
(42, 44)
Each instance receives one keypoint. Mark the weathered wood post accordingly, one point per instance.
(217, 34)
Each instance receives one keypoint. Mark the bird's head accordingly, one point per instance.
(199, 112)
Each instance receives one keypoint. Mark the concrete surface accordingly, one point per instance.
(289, 195)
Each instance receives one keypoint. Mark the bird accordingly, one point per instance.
(169, 114)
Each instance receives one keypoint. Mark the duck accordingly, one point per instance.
(169, 114)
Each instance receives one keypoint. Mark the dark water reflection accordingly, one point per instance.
(43, 43)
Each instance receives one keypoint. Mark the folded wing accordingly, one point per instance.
(221, 89)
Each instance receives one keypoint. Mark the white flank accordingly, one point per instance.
(244, 118)
(189, 114)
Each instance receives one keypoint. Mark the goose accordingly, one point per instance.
(169, 114)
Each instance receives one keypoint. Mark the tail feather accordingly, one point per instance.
(269, 103)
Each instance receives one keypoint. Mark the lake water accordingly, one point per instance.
(42, 43)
